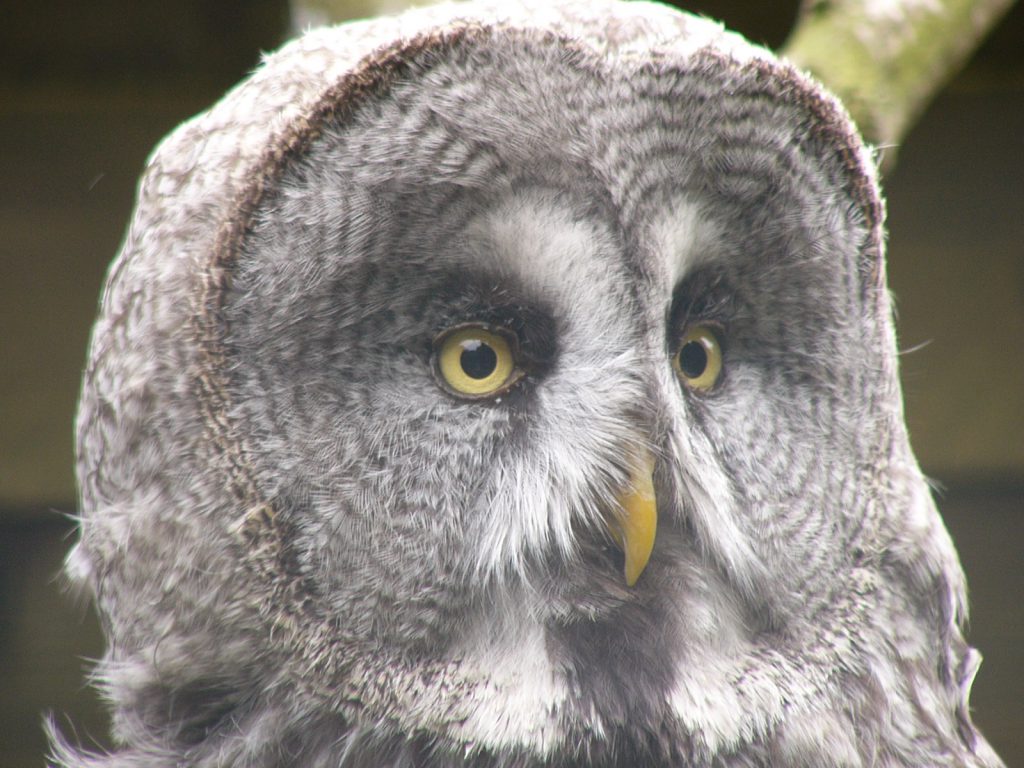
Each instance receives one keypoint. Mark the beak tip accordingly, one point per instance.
(632, 576)
(638, 554)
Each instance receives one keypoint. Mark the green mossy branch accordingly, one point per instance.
(886, 59)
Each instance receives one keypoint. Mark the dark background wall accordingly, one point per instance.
(87, 89)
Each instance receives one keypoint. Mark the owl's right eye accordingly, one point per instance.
(474, 361)
(698, 362)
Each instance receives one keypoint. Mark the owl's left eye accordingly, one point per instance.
(473, 361)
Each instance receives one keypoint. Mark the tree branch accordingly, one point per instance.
(886, 59)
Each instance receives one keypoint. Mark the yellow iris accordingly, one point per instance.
(476, 362)
(698, 362)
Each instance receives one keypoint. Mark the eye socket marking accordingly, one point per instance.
(698, 361)
(473, 361)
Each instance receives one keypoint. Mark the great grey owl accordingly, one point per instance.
(508, 386)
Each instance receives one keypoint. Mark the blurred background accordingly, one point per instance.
(88, 88)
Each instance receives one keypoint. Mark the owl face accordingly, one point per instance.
(482, 312)
(483, 318)
(524, 404)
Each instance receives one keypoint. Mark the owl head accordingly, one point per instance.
(514, 386)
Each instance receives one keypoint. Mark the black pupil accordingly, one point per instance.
(693, 359)
(478, 360)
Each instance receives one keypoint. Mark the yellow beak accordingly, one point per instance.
(635, 521)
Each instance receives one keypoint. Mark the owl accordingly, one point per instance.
(513, 386)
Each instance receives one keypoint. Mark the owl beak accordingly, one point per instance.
(635, 521)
